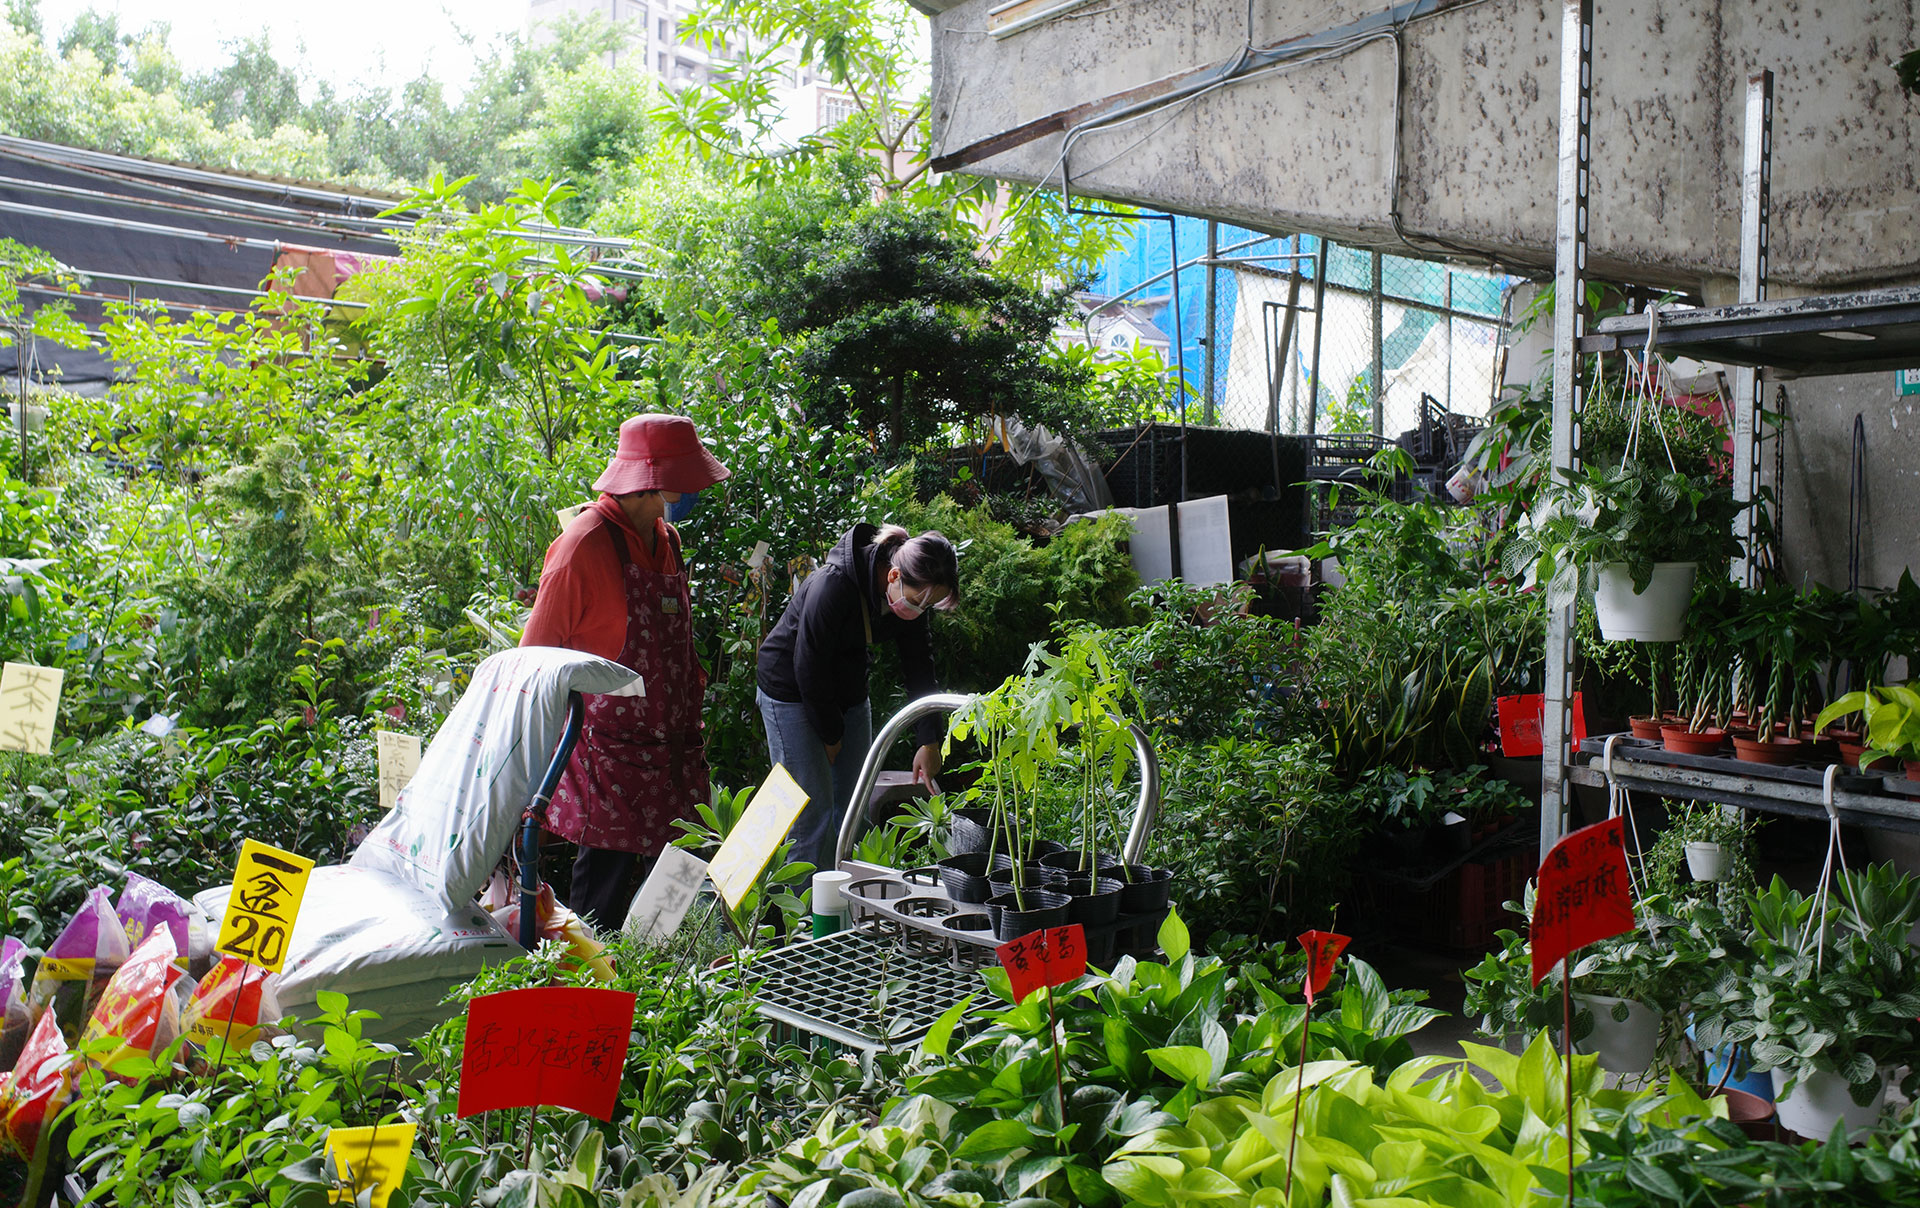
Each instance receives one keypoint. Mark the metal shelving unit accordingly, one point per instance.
(1856, 332)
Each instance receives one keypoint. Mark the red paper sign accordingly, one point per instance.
(1323, 949)
(560, 1047)
(1520, 723)
(1050, 957)
(1582, 895)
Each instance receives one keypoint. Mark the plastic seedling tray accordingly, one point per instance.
(831, 987)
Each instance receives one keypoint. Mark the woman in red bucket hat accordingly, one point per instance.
(614, 585)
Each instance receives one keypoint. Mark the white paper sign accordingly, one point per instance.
(399, 760)
(29, 703)
(768, 819)
(661, 905)
(565, 515)
(758, 558)
(1206, 542)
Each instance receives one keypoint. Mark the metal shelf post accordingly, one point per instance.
(1569, 387)
(1749, 388)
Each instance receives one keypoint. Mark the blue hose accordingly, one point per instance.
(537, 814)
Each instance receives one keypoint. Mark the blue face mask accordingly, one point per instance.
(683, 507)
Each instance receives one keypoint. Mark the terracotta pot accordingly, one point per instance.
(1680, 740)
(1778, 751)
(1645, 727)
(1851, 753)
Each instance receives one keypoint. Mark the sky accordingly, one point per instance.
(388, 41)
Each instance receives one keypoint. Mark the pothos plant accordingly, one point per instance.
(1634, 513)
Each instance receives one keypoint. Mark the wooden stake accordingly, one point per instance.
(1299, 1094)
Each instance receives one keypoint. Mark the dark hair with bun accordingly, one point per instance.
(925, 561)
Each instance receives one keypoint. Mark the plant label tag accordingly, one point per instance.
(1583, 894)
(1907, 381)
(559, 1046)
(1520, 723)
(1323, 950)
(261, 908)
(758, 558)
(662, 903)
(362, 1158)
(29, 705)
(399, 760)
(1052, 956)
(565, 515)
(770, 815)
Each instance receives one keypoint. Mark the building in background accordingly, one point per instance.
(653, 44)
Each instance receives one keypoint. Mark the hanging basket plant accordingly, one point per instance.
(1636, 525)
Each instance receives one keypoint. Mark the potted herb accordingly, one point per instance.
(1714, 841)
(1829, 1001)
(1633, 533)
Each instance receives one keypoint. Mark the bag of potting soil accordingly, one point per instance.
(139, 1007)
(146, 906)
(78, 965)
(236, 1002)
(37, 1089)
(15, 1019)
(552, 921)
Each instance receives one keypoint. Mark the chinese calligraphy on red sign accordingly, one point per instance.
(1053, 956)
(558, 1046)
(1583, 894)
(1323, 949)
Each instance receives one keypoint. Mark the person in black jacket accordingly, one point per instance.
(876, 585)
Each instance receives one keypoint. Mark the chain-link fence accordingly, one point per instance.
(1301, 335)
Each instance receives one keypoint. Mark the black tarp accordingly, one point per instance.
(249, 215)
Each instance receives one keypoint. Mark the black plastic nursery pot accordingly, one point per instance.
(971, 830)
(1096, 900)
(1145, 889)
(964, 877)
(1037, 876)
(1044, 908)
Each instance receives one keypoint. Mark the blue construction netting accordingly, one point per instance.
(1147, 250)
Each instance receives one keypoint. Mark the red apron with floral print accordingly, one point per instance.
(641, 761)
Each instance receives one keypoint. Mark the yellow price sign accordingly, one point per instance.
(265, 900)
(753, 839)
(374, 1157)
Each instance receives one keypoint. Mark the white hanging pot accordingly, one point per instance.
(1624, 1046)
(1821, 1098)
(1706, 861)
(1658, 614)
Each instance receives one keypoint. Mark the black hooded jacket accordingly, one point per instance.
(817, 654)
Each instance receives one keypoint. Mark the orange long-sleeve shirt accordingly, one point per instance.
(582, 602)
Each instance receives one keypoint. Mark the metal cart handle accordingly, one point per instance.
(946, 702)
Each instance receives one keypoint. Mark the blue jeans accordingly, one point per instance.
(793, 744)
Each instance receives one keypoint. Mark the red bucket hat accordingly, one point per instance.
(660, 453)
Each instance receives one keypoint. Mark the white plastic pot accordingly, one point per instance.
(1706, 861)
(1624, 1046)
(1821, 1098)
(1658, 614)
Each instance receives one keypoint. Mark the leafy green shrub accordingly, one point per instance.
(1201, 667)
(1256, 833)
(1012, 591)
